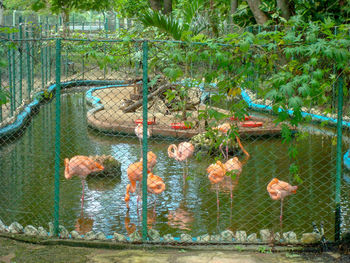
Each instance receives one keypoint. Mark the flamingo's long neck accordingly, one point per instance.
(67, 175)
(244, 151)
(172, 151)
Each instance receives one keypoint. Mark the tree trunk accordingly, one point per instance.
(156, 5)
(233, 9)
(259, 15)
(2, 9)
(168, 6)
(65, 22)
(137, 104)
(283, 5)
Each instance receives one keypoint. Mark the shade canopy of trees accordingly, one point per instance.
(240, 12)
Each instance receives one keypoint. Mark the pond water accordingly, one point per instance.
(27, 183)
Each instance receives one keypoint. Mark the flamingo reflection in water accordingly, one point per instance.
(83, 224)
(131, 227)
(180, 218)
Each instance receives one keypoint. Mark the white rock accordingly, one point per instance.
(30, 231)
(241, 236)
(15, 228)
(168, 238)
(3, 227)
(310, 238)
(227, 235)
(75, 235)
(119, 237)
(100, 236)
(185, 238)
(252, 238)
(64, 234)
(42, 232)
(203, 238)
(90, 236)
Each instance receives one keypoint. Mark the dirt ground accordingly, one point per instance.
(19, 251)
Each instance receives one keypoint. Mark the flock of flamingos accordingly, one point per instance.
(82, 166)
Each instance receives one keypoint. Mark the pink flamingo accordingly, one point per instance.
(224, 128)
(181, 153)
(81, 166)
(151, 160)
(139, 134)
(134, 173)
(155, 185)
(216, 173)
(278, 190)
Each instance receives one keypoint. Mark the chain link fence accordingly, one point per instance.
(201, 169)
(88, 22)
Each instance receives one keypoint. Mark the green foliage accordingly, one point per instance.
(4, 95)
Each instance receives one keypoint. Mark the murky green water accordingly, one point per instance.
(27, 183)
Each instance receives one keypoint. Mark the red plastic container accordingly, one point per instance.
(246, 118)
(139, 121)
(179, 126)
(252, 124)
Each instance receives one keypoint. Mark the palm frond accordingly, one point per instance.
(162, 22)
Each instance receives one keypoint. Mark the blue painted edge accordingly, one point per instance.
(346, 160)
(21, 117)
(95, 101)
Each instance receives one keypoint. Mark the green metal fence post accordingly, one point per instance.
(42, 58)
(57, 137)
(29, 79)
(9, 53)
(13, 50)
(145, 141)
(20, 59)
(0, 92)
(339, 160)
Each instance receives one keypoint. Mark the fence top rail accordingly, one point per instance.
(114, 40)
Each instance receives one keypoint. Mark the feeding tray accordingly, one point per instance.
(140, 121)
(246, 118)
(252, 124)
(179, 126)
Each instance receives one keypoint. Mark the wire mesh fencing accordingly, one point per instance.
(209, 165)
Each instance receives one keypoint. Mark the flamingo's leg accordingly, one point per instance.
(82, 195)
(217, 196)
(140, 146)
(227, 148)
(186, 167)
(222, 151)
(155, 202)
(281, 214)
(183, 173)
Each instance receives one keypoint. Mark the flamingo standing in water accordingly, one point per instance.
(134, 173)
(278, 190)
(155, 185)
(224, 128)
(151, 160)
(139, 134)
(181, 153)
(81, 166)
(218, 171)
